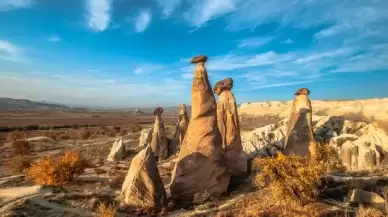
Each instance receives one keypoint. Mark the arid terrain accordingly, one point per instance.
(92, 134)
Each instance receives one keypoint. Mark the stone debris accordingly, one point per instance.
(142, 186)
(118, 151)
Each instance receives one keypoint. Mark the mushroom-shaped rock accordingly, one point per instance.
(145, 137)
(142, 185)
(226, 84)
(159, 143)
(199, 59)
(299, 139)
(228, 125)
(117, 151)
(201, 168)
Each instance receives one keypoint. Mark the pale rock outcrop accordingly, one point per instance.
(183, 122)
(360, 196)
(142, 185)
(145, 137)
(118, 151)
(228, 125)
(370, 108)
(201, 168)
(159, 143)
(299, 138)
(375, 135)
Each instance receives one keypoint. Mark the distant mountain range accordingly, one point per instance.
(25, 104)
(13, 104)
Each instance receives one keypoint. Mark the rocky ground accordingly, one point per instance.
(101, 182)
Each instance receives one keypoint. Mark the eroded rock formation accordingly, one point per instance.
(143, 186)
(201, 167)
(159, 143)
(117, 151)
(228, 125)
(145, 137)
(299, 138)
(183, 122)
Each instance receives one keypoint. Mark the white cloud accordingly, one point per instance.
(206, 10)
(142, 21)
(147, 69)
(288, 41)
(98, 14)
(327, 54)
(255, 42)
(283, 84)
(187, 75)
(11, 52)
(168, 6)
(54, 38)
(14, 4)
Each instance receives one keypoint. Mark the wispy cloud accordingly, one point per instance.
(328, 54)
(255, 41)
(147, 69)
(264, 86)
(54, 38)
(168, 6)
(142, 21)
(11, 52)
(288, 41)
(98, 14)
(206, 10)
(14, 4)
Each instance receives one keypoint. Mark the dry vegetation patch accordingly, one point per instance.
(50, 171)
(106, 210)
(19, 164)
(21, 147)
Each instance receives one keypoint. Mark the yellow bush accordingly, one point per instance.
(49, 171)
(106, 211)
(328, 157)
(293, 179)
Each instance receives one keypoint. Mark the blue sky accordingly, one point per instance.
(135, 53)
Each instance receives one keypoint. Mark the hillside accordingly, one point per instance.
(369, 108)
(13, 104)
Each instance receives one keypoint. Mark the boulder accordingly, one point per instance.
(201, 169)
(360, 196)
(118, 151)
(145, 137)
(142, 186)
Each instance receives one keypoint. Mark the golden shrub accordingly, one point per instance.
(21, 146)
(18, 164)
(369, 212)
(50, 171)
(328, 157)
(106, 211)
(292, 179)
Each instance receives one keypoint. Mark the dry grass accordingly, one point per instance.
(106, 210)
(116, 176)
(21, 147)
(369, 212)
(12, 136)
(328, 157)
(84, 134)
(290, 186)
(18, 164)
(49, 171)
(293, 179)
